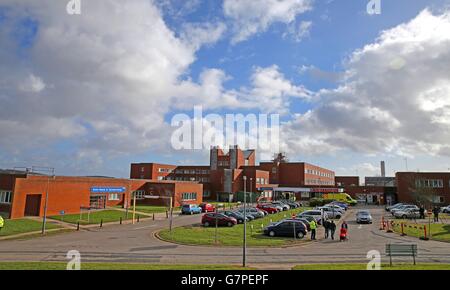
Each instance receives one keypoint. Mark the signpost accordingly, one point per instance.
(62, 213)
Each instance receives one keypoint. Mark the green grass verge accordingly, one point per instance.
(111, 266)
(95, 217)
(20, 226)
(332, 266)
(199, 235)
(439, 232)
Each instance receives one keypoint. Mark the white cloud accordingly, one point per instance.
(298, 31)
(395, 96)
(32, 84)
(252, 17)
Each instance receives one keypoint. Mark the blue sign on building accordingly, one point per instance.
(107, 189)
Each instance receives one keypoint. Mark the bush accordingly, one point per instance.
(313, 202)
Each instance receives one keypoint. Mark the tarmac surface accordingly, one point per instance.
(137, 244)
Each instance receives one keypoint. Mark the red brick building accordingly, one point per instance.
(23, 194)
(434, 184)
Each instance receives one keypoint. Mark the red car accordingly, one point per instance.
(207, 207)
(266, 207)
(210, 219)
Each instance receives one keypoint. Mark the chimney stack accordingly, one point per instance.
(383, 169)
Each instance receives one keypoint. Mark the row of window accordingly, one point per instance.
(192, 171)
(262, 181)
(319, 182)
(224, 163)
(199, 179)
(431, 183)
(189, 196)
(114, 196)
(165, 170)
(318, 173)
(5, 196)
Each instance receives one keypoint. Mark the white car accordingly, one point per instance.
(403, 208)
(332, 213)
(335, 207)
(446, 209)
(318, 215)
(410, 213)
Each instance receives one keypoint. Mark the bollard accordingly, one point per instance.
(138, 218)
(403, 231)
(153, 216)
(78, 226)
(167, 214)
(120, 220)
(101, 223)
(251, 230)
(425, 237)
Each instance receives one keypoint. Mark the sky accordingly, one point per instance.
(90, 93)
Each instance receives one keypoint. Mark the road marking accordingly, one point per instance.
(146, 227)
(359, 227)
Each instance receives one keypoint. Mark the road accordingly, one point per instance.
(136, 244)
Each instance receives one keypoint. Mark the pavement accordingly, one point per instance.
(136, 243)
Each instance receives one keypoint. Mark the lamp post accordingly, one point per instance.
(251, 190)
(244, 250)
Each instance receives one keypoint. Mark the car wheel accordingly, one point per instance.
(206, 224)
(338, 217)
(272, 233)
(300, 235)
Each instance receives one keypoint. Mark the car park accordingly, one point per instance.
(207, 207)
(363, 216)
(286, 228)
(238, 216)
(190, 209)
(210, 219)
(408, 213)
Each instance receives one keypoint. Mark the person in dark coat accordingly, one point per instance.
(422, 212)
(332, 228)
(326, 225)
(436, 214)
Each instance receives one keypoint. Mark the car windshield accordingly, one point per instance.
(365, 213)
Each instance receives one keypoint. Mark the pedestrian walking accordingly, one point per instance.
(2, 223)
(436, 214)
(332, 227)
(326, 225)
(344, 225)
(313, 226)
(422, 211)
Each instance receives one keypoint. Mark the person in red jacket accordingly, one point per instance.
(343, 234)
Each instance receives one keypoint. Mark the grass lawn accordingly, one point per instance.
(439, 232)
(364, 267)
(199, 235)
(95, 217)
(20, 226)
(111, 266)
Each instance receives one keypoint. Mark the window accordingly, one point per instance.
(160, 177)
(114, 196)
(431, 183)
(206, 193)
(142, 169)
(189, 196)
(274, 170)
(139, 194)
(5, 196)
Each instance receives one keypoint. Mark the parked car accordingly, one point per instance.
(210, 219)
(207, 207)
(337, 207)
(363, 216)
(286, 228)
(292, 204)
(283, 205)
(268, 208)
(316, 214)
(190, 209)
(389, 208)
(332, 213)
(408, 213)
(403, 207)
(252, 211)
(238, 216)
(306, 221)
(340, 204)
(446, 209)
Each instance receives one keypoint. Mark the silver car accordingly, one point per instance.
(253, 211)
(446, 209)
(363, 217)
(318, 215)
(332, 213)
(283, 205)
(403, 208)
(410, 213)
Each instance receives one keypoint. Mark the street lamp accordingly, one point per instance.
(245, 223)
(251, 190)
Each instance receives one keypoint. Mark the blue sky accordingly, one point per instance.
(95, 109)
